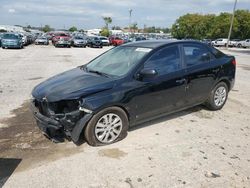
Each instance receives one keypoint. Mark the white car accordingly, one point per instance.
(233, 42)
(219, 42)
(105, 41)
(244, 44)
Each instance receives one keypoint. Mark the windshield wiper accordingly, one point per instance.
(97, 72)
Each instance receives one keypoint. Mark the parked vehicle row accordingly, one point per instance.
(222, 42)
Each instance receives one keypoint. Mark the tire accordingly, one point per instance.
(91, 132)
(239, 46)
(220, 92)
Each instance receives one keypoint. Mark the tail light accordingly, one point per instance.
(234, 62)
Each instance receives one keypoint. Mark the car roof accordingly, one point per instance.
(158, 43)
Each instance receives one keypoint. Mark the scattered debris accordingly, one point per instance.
(139, 179)
(234, 157)
(212, 175)
(221, 147)
(129, 181)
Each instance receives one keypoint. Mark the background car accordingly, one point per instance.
(233, 42)
(94, 42)
(244, 43)
(207, 41)
(12, 40)
(220, 42)
(105, 41)
(63, 42)
(116, 41)
(79, 41)
(60, 35)
(1, 36)
(42, 40)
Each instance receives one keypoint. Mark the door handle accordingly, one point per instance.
(215, 70)
(183, 80)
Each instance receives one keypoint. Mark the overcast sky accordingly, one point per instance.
(88, 14)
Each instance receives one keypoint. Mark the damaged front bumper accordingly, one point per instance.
(60, 126)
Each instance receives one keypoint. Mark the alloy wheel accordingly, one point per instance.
(108, 128)
(220, 96)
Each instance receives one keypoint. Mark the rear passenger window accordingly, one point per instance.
(164, 61)
(195, 54)
(217, 53)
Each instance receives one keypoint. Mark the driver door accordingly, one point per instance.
(165, 92)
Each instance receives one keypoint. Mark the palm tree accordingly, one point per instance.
(107, 20)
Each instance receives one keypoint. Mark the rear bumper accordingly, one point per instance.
(11, 46)
(79, 45)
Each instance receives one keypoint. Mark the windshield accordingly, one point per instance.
(118, 61)
(10, 36)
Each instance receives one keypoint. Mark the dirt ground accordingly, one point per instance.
(192, 148)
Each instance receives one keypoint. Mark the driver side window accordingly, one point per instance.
(165, 61)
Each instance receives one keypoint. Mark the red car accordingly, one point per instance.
(116, 41)
(57, 37)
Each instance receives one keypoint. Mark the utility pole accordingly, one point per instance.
(231, 25)
(130, 14)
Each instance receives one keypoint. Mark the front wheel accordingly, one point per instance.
(218, 97)
(106, 127)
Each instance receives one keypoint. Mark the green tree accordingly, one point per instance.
(72, 29)
(107, 20)
(199, 26)
(221, 26)
(194, 26)
(104, 32)
(46, 28)
(243, 19)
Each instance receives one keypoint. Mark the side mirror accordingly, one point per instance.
(147, 73)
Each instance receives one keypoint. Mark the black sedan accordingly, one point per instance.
(94, 42)
(131, 84)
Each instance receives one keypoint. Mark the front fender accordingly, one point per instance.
(80, 125)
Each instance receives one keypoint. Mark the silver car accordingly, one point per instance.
(42, 40)
(79, 41)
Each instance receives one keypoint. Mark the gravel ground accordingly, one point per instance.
(192, 148)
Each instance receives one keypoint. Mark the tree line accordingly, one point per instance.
(199, 26)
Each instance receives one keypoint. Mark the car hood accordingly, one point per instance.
(72, 84)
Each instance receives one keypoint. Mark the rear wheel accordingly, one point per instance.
(218, 96)
(106, 127)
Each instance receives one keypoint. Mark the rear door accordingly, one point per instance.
(201, 72)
